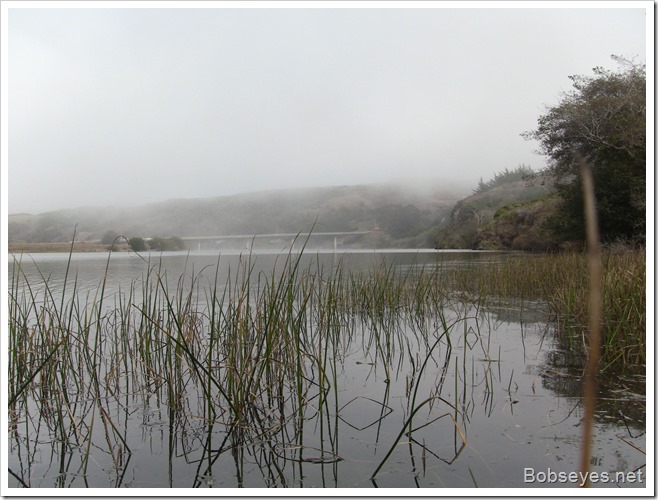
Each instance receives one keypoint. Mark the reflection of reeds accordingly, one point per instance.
(249, 367)
(562, 281)
(258, 356)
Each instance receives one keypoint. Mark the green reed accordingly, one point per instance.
(562, 281)
(254, 361)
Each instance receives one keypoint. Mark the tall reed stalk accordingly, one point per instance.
(255, 361)
(590, 379)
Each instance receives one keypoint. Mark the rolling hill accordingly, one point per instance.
(406, 216)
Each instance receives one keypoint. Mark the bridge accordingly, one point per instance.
(278, 241)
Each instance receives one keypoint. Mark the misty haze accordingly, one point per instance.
(319, 246)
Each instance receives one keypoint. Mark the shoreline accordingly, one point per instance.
(78, 246)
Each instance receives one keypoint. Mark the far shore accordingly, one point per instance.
(78, 246)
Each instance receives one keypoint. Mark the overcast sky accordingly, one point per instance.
(129, 106)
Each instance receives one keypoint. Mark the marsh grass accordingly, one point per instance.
(562, 282)
(249, 368)
(252, 363)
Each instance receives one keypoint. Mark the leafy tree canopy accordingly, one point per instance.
(603, 120)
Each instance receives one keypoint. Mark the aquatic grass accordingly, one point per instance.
(562, 281)
(21, 337)
(51, 343)
(247, 369)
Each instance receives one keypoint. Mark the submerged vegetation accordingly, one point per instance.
(251, 371)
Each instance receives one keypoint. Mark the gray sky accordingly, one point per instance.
(130, 106)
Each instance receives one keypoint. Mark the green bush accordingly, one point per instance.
(137, 244)
(109, 237)
(165, 244)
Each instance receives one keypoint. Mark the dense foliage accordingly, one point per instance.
(603, 122)
(165, 244)
(508, 212)
(522, 172)
(158, 244)
(137, 244)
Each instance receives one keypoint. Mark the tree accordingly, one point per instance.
(522, 172)
(137, 244)
(602, 120)
(165, 244)
(109, 237)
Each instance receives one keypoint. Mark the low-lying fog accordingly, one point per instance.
(126, 106)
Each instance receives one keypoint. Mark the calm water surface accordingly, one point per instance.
(505, 407)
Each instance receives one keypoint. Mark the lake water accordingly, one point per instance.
(495, 399)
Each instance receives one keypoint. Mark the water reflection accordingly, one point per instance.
(420, 393)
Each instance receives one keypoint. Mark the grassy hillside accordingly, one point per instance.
(520, 226)
(405, 217)
(506, 214)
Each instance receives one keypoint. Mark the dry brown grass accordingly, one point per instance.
(78, 246)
